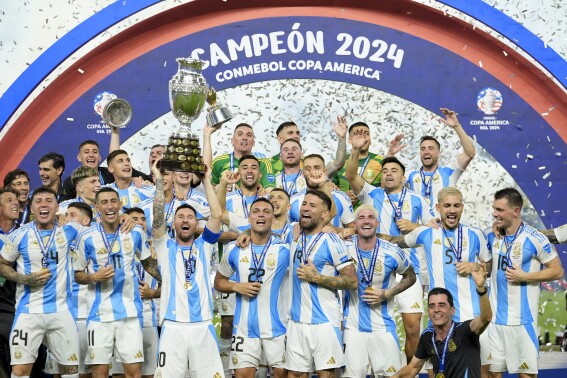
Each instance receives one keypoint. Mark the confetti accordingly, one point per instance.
(542, 168)
(546, 175)
(70, 119)
(530, 156)
(80, 71)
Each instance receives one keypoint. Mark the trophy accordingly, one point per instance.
(117, 113)
(188, 92)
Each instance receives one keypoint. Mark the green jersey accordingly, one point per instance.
(229, 162)
(277, 164)
(369, 168)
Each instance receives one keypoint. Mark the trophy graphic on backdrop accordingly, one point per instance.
(188, 92)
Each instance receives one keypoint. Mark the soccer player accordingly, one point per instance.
(320, 266)
(521, 259)
(113, 319)
(89, 156)
(452, 252)
(156, 153)
(315, 177)
(197, 201)
(121, 168)
(40, 250)
(186, 306)
(19, 180)
(400, 212)
(431, 177)
(9, 210)
(289, 130)
(290, 178)
(370, 338)
(87, 183)
(242, 141)
(453, 347)
(51, 167)
(369, 163)
(260, 270)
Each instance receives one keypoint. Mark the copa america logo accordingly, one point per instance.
(101, 100)
(489, 100)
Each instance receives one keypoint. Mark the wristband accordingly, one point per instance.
(480, 294)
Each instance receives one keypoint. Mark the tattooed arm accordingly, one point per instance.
(158, 225)
(375, 295)
(346, 280)
(32, 280)
(150, 266)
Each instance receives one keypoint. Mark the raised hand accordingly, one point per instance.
(358, 141)
(229, 178)
(396, 145)
(340, 126)
(450, 118)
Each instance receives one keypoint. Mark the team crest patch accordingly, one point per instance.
(135, 199)
(91, 354)
(517, 250)
(224, 307)
(406, 206)
(128, 245)
(271, 178)
(378, 267)
(59, 238)
(271, 262)
(234, 360)
(18, 354)
(452, 346)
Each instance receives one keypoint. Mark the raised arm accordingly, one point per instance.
(114, 139)
(396, 145)
(479, 324)
(341, 129)
(351, 170)
(465, 157)
(412, 369)
(556, 235)
(227, 178)
(158, 224)
(214, 221)
(207, 151)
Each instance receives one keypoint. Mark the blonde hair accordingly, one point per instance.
(366, 207)
(449, 191)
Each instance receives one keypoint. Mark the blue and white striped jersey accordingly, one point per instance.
(186, 298)
(345, 212)
(441, 259)
(359, 315)
(292, 184)
(118, 298)
(516, 304)
(149, 315)
(133, 196)
(238, 203)
(55, 295)
(414, 208)
(434, 182)
(311, 303)
(260, 316)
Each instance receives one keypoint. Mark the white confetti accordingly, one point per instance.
(530, 156)
(514, 166)
(542, 213)
(536, 183)
(80, 71)
(542, 168)
(558, 153)
(550, 184)
(505, 53)
(546, 175)
(70, 119)
(549, 140)
(480, 63)
(544, 114)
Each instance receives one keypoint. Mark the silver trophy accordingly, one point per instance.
(188, 92)
(117, 113)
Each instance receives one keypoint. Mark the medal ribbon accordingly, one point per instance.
(24, 215)
(290, 189)
(187, 262)
(244, 204)
(367, 275)
(44, 247)
(510, 244)
(140, 271)
(427, 185)
(107, 244)
(308, 249)
(442, 358)
(398, 209)
(459, 236)
(170, 210)
(257, 261)
(363, 168)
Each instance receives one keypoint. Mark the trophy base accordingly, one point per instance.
(182, 154)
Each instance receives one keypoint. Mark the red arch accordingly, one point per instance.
(409, 17)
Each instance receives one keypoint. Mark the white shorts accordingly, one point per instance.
(365, 352)
(247, 352)
(513, 348)
(309, 345)
(484, 341)
(227, 304)
(411, 300)
(122, 337)
(59, 331)
(52, 367)
(150, 336)
(188, 347)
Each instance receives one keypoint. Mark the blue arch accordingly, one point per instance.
(114, 13)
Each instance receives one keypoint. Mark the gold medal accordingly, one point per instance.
(187, 286)
(370, 288)
(440, 375)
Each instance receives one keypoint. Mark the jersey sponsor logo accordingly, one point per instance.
(391, 369)
(245, 260)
